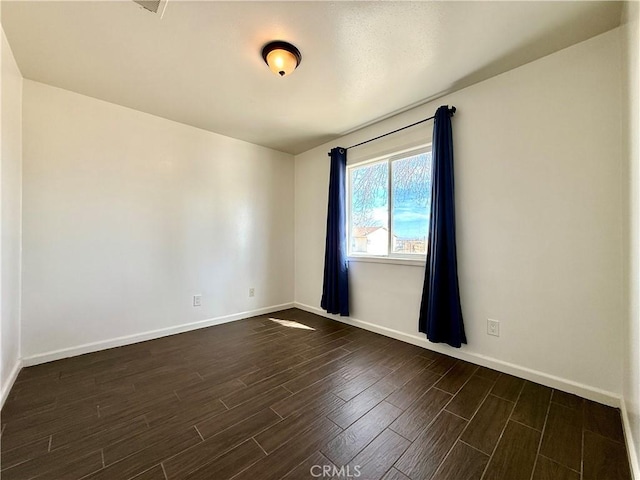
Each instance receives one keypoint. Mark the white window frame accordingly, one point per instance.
(393, 258)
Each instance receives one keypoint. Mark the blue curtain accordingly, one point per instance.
(335, 288)
(440, 311)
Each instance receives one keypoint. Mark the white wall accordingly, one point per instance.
(127, 215)
(631, 334)
(539, 166)
(11, 140)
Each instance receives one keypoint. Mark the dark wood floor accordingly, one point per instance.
(257, 400)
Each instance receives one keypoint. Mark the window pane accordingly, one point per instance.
(411, 185)
(370, 209)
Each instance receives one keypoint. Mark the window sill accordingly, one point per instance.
(392, 261)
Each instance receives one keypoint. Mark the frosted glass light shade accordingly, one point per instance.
(281, 62)
(282, 57)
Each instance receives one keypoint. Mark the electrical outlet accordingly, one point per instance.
(252, 292)
(493, 327)
(197, 300)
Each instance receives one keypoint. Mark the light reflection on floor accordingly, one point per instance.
(291, 324)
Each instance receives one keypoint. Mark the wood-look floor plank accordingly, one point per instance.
(208, 391)
(363, 340)
(88, 365)
(38, 372)
(320, 347)
(121, 447)
(470, 396)
(221, 372)
(547, 469)
(326, 334)
(442, 364)
(154, 473)
(456, 377)
(168, 379)
(333, 370)
(531, 408)
(567, 399)
(316, 369)
(416, 418)
(291, 454)
(314, 467)
(138, 405)
(29, 429)
(344, 447)
(242, 395)
(15, 439)
(226, 466)
(604, 458)
(507, 387)
(462, 463)
(53, 465)
(11, 457)
(379, 456)
(603, 420)
(487, 425)
(204, 452)
(562, 440)
(185, 413)
(272, 369)
(413, 390)
(423, 457)
(79, 467)
(98, 394)
(394, 474)
(17, 407)
(301, 399)
(226, 419)
(146, 454)
(361, 383)
(487, 373)
(407, 371)
(372, 396)
(94, 437)
(515, 454)
(305, 418)
(359, 405)
(396, 357)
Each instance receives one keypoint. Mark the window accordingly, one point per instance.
(388, 206)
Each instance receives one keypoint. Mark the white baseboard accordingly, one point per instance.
(150, 335)
(8, 384)
(586, 391)
(631, 446)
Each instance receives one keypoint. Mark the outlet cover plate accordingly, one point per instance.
(493, 327)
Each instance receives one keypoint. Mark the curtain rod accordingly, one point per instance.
(452, 110)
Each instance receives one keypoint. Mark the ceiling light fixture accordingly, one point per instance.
(282, 57)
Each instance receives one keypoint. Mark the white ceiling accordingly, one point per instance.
(361, 61)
